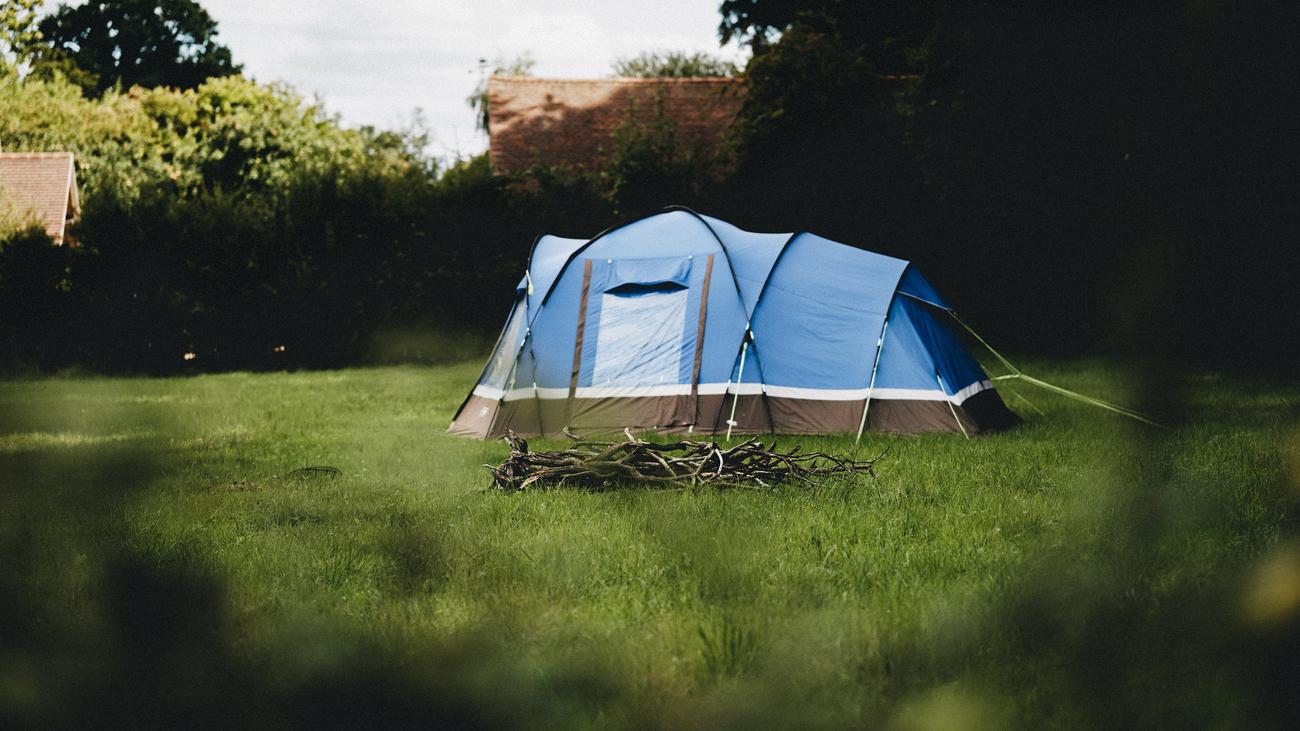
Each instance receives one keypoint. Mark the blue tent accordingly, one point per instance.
(682, 322)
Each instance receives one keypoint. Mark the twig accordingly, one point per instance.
(597, 465)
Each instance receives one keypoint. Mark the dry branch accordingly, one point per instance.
(596, 465)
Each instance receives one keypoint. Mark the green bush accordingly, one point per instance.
(240, 224)
(34, 296)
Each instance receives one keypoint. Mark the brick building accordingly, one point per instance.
(573, 123)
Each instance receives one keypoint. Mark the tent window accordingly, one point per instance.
(639, 340)
(503, 358)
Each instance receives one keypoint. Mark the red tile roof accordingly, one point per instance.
(573, 122)
(42, 184)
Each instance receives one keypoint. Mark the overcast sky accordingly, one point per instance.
(375, 61)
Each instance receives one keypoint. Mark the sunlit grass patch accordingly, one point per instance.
(962, 569)
(35, 441)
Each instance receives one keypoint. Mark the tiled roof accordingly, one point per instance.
(573, 122)
(43, 184)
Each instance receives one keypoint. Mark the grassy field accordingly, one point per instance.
(1076, 570)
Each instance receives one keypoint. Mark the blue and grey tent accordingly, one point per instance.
(682, 322)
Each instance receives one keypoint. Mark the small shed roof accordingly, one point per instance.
(574, 122)
(43, 184)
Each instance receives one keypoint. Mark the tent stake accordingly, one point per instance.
(871, 386)
(740, 376)
(951, 408)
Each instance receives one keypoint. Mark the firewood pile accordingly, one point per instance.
(684, 464)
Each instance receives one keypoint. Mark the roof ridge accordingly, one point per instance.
(622, 80)
(34, 155)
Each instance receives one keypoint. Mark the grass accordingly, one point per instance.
(895, 600)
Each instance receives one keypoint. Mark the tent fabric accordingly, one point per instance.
(672, 321)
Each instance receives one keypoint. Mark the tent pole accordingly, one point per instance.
(762, 387)
(951, 408)
(871, 386)
(740, 376)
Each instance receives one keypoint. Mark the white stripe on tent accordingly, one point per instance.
(859, 394)
(971, 390)
(744, 389)
(518, 394)
(674, 389)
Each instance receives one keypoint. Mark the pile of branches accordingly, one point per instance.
(597, 465)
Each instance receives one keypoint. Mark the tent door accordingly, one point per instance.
(640, 338)
(638, 345)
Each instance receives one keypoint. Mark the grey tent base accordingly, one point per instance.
(755, 414)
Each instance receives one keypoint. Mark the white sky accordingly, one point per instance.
(374, 62)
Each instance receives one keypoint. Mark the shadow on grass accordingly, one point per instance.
(96, 630)
(1126, 623)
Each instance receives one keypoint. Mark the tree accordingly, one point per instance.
(478, 101)
(673, 64)
(823, 69)
(147, 43)
(650, 165)
(19, 36)
(885, 33)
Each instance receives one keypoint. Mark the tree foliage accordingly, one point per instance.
(229, 133)
(149, 43)
(1030, 149)
(651, 163)
(235, 218)
(20, 35)
(672, 64)
(1056, 169)
(478, 100)
(885, 29)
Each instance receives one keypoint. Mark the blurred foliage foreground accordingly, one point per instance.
(162, 564)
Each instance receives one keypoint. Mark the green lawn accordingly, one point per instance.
(1074, 570)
